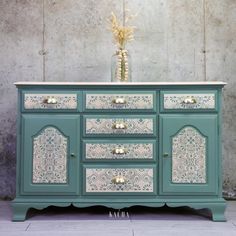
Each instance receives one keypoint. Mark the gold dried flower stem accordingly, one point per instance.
(124, 12)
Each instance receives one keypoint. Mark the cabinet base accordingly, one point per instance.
(217, 208)
(20, 209)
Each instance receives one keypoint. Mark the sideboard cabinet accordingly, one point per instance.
(119, 145)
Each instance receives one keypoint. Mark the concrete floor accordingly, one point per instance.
(141, 221)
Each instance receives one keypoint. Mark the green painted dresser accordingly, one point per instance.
(119, 145)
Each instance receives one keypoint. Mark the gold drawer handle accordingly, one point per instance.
(50, 100)
(119, 151)
(190, 100)
(119, 101)
(118, 180)
(119, 126)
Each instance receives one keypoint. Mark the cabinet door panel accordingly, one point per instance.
(50, 152)
(189, 154)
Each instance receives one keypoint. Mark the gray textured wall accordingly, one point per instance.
(68, 40)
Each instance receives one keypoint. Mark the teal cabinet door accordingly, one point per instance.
(188, 154)
(50, 147)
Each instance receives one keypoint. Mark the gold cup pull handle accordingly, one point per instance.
(118, 126)
(50, 100)
(119, 151)
(190, 100)
(118, 180)
(119, 101)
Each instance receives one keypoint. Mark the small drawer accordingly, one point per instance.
(128, 180)
(119, 150)
(188, 100)
(120, 125)
(115, 101)
(50, 101)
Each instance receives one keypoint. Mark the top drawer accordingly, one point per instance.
(50, 101)
(188, 100)
(120, 100)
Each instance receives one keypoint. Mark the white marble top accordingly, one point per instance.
(125, 83)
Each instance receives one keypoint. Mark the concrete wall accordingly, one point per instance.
(68, 40)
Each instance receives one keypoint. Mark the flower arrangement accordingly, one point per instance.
(122, 34)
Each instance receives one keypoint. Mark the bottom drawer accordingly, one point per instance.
(107, 180)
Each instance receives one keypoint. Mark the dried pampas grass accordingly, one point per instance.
(121, 33)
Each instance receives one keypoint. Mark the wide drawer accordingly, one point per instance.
(138, 180)
(119, 150)
(120, 125)
(188, 100)
(122, 100)
(50, 101)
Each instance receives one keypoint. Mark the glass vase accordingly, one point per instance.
(121, 66)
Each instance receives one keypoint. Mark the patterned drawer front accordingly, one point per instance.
(102, 150)
(120, 126)
(189, 100)
(118, 180)
(50, 101)
(122, 101)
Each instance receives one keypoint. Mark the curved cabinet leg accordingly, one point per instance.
(217, 211)
(19, 211)
(217, 208)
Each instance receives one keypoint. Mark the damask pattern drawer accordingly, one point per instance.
(113, 100)
(188, 100)
(50, 101)
(120, 150)
(119, 180)
(120, 125)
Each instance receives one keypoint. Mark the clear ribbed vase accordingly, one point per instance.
(121, 66)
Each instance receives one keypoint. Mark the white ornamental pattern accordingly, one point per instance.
(50, 157)
(133, 126)
(63, 101)
(189, 157)
(106, 151)
(176, 101)
(132, 101)
(135, 180)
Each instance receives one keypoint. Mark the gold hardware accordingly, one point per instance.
(119, 126)
(190, 100)
(72, 155)
(119, 151)
(119, 101)
(165, 154)
(50, 100)
(118, 180)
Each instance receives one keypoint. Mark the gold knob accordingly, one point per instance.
(118, 180)
(72, 155)
(119, 101)
(50, 100)
(119, 151)
(166, 154)
(190, 100)
(119, 126)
